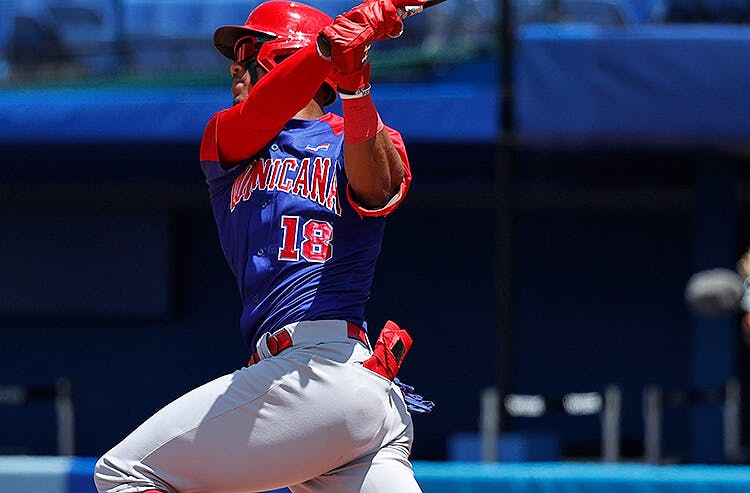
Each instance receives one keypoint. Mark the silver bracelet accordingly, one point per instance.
(361, 92)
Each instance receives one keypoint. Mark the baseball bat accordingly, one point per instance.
(431, 3)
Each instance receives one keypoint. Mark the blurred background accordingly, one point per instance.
(575, 162)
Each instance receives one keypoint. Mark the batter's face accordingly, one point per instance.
(241, 80)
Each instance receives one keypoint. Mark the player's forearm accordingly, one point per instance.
(374, 169)
(373, 166)
(244, 129)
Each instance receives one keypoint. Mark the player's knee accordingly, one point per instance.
(113, 473)
(102, 474)
(107, 476)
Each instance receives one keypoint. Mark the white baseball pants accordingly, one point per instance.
(311, 418)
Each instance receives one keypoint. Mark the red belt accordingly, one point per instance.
(283, 340)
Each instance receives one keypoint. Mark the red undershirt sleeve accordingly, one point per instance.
(244, 129)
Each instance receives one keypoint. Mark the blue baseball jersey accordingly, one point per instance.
(299, 246)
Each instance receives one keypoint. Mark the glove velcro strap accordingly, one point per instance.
(354, 84)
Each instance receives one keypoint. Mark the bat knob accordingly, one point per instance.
(409, 10)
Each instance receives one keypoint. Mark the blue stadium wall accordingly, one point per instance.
(113, 274)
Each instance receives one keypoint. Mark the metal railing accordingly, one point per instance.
(61, 395)
(657, 400)
(607, 404)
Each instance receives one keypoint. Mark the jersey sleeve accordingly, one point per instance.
(216, 175)
(392, 204)
(244, 129)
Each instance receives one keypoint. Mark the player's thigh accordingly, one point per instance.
(386, 471)
(222, 436)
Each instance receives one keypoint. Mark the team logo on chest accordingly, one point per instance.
(313, 179)
(321, 147)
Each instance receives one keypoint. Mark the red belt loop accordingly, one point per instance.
(354, 331)
(282, 340)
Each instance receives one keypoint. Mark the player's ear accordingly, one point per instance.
(236, 69)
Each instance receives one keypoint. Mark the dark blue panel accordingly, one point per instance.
(598, 302)
(511, 447)
(88, 264)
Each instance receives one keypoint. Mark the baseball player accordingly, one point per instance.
(300, 198)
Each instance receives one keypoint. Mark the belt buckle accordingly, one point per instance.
(270, 345)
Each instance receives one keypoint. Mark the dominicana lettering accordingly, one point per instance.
(314, 180)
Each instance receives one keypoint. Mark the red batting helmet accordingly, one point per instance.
(280, 28)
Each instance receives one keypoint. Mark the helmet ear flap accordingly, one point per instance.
(271, 53)
(264, 57)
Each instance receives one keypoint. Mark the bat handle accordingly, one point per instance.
(409, 11)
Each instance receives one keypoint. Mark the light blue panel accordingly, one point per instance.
(50, 474)
(34, 474)
(437, 477)
(37, 474)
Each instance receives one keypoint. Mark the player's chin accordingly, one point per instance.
(239, 93)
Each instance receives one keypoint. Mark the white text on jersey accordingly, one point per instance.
(314, 180)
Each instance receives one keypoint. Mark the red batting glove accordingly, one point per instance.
(381, 15)
(347, 43)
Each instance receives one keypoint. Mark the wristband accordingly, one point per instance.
(361, 120)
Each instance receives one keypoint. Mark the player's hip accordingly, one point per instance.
(310, 335)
